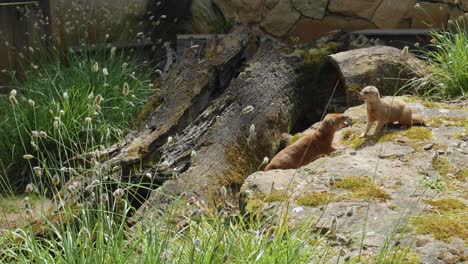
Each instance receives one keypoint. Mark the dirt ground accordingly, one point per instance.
(13, 212)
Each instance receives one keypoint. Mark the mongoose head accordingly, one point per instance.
(337, 121)
(369, 93)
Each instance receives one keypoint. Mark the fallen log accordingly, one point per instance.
(234, 134)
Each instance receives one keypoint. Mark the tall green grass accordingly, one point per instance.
(447, 60)
(77, 106)
(101, 238)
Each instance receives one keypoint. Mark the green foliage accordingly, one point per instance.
(100, 236)
(76, 107)
(447, 61)
(295, 137)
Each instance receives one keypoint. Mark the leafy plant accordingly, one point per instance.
(447, 58)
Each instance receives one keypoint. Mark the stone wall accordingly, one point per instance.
(310, 19)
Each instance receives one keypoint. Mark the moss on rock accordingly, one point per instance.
(361, 187)
(294, 138)
(313, 199)
(351, 138)
(277, 196)
(448, 220)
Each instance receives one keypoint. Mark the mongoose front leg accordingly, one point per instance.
(368, 127)
(378, 128)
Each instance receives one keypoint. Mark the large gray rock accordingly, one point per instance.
(281, 19)
(398, 166)
(381, 66)
(311, 8)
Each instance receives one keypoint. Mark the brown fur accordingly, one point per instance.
(311, 146)
(386, 111)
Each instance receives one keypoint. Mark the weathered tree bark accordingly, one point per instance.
(380, 66)
(230, 141)
(232, 124)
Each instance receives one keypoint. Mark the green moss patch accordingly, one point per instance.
(354, 183)
(313, 57)
(417, 133)
(462, 175)
(277, 196)
(294, 138)
(442, 227)
(448, 121)
(313, 199)
(351, 138)
(414, 133)
(448, 205)
(429, 104)
(362, 188)
(449, 219)
(254, 205)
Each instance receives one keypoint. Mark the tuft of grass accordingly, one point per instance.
(447, 60)
(361, 187)
(79, 107)
(443, 166)
(277, 196)
(313, 199)
(254, 205)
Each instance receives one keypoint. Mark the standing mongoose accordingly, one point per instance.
(311, 146)
(386, 111)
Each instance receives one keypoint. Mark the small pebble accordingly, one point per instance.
(441, 151)
(428, 146)
(350, 211)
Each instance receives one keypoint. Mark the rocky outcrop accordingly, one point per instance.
(356, 8)
(311, 8)
(280, 19)
(402, 189)
(390, 15)
(381, 66)
(311, 19)
(311, 29)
